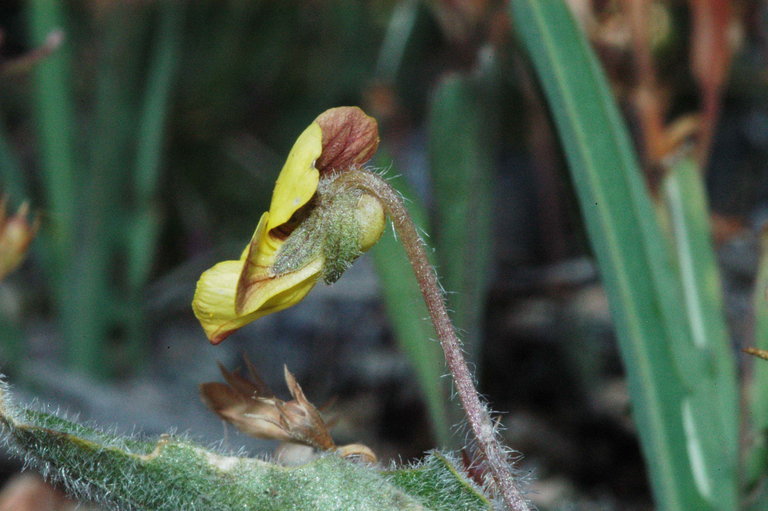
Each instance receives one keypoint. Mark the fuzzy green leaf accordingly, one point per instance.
(173, 474)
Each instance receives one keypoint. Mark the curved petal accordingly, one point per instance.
(297, 182)
(286, 290)
(214, 301)
(256, 250)
(259, 290)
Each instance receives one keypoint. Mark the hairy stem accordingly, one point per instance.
(480, 421)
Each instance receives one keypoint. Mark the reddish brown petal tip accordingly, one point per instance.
(350, 138)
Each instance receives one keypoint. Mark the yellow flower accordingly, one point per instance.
(313, 229)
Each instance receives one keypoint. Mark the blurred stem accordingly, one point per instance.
(479, 420)
(711, 53)
(11, 343)
(107, 175)
(649, 110)
(396, 39)
(146, 217)
(55, 118)
(546, 162)
(11, 177)
(462, 174)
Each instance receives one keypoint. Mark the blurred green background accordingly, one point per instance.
(148, 140)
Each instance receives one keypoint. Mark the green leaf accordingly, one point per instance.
(142, 229)
(13, 182)
(54, 115)
(422, 480)
(462, 177)
(672, 381)
(686, 205)
(173, 474)
(756, 459)
(409, 317)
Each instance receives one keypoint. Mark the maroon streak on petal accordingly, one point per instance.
(350, 138)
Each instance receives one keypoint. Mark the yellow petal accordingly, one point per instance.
(257, 259)
(297, 182)
(214, 301)
(260, 290)
(256, 250)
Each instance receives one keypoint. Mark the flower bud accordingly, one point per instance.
(370, 217)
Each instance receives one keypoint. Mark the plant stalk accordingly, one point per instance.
(488, 442)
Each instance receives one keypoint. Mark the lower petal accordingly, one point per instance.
(214, 301)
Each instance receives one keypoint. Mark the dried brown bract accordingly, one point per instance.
(757, 352)
(16, 233)
(252, 407)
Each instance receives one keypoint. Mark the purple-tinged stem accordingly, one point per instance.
(479, 420)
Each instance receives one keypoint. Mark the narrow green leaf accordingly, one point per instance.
(462, 176)
(54, 112)
(399, 30)
(12, 181)
(162, 69)
(143, 228)
(669, 376)
(688, 213)
(410, 319)
(756, 460)
(173, 474)
(104, 180)
(62, 180)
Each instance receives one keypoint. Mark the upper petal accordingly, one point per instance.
(297, 182)
(262, 249)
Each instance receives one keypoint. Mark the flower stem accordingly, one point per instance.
(479, 420)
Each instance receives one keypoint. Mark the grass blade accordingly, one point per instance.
(104, 179)
(145, 223)
(54, 111)
(409, 317)
(461, 170)
(756, 459)
(12, 181)
(716, 391)
(687, 208)
(668, 375)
